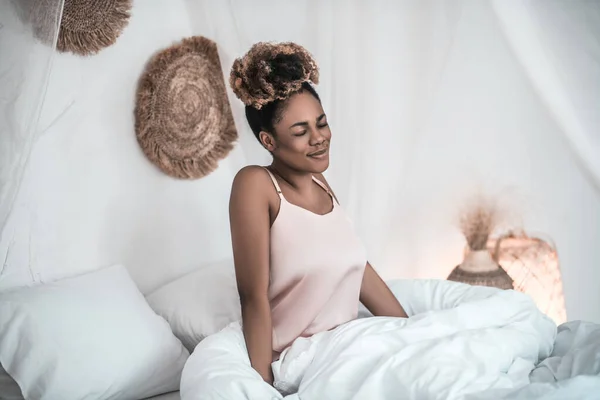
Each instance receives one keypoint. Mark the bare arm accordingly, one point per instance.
(377, 296)
(374, 292)
(250, 225)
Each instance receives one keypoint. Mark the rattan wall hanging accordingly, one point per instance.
(88, 26)
(183, 120)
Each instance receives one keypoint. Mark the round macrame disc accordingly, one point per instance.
(183, 119)
(88, 26)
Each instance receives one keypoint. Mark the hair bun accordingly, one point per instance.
(272, 71)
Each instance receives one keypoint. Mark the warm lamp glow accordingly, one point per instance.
(533, 265)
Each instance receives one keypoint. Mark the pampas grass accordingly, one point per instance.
(478, 220)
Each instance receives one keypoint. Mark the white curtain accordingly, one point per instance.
(430, 102)
(28, 33)
(381, 65)
(433, 102)
(558, 44)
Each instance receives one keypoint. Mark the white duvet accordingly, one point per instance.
(572, 371)
(459, 342)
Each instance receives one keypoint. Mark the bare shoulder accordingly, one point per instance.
(251, 181)
(254, 173)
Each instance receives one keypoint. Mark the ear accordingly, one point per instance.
(267, 140)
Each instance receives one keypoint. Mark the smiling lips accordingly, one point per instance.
(319, 154)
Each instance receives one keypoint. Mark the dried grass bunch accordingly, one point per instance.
(478, 220)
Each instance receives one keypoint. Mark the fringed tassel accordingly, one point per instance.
(88, 34)
(151, 129)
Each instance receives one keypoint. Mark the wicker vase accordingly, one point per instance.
(479, 268)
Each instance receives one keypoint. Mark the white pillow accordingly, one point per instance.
(200, 303)
(92, 336)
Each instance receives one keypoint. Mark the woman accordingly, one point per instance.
(299, 265)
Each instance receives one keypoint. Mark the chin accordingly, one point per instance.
(319, 166)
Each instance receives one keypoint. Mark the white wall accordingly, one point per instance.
(91, 198)
(489, 129)
(417, 132)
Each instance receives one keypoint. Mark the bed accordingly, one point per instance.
(460, 342)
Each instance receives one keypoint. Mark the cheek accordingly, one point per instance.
(296, 145)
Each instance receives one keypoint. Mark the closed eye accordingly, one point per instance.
(323, 125)
(300, 134)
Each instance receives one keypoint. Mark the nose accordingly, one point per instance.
(316, 138)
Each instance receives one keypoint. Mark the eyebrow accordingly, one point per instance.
(305, 123)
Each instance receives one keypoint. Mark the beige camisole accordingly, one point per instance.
(316, 269)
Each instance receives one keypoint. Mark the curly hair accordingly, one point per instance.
(272, 71)
(265, 77)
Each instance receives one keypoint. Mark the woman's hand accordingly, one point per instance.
(256, 317)
(250, 236)
(377, 296)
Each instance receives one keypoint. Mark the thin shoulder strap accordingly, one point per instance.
(274, 182)
(325, 188)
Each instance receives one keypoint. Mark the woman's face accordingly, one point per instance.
(302, 136)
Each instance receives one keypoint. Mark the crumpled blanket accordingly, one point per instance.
(572, 371)
(459, 340)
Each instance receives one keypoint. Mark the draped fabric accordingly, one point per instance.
(557, 43)
(429, 103)
(27, 48)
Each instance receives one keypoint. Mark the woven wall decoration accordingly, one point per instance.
(89, 26)
(86, 26)
(183, 120)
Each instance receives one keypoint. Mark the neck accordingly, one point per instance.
(299, 180)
